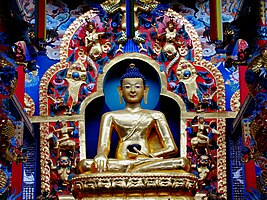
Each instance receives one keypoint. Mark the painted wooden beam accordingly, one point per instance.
(40, 19)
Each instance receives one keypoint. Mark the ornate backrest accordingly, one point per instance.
(173, 60)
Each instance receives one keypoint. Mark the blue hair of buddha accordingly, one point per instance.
(133, 72)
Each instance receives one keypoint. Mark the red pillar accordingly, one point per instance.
(17, 169)
(249, 167)
(250, 174)
(20, 86)
(242, 83)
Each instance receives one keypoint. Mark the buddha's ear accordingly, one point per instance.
(120, 93)
(145, 94)
(146, 89)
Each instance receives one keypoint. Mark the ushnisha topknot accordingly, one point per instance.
(132, 72)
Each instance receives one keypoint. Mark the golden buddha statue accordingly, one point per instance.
(145, 141)
(145, 165)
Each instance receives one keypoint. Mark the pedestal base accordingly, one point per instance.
(151, 186)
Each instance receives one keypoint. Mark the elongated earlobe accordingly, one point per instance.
(120, 94)
(145, 94)
(145, 98)
(120, 98)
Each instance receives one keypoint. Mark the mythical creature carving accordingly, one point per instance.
(61, 139)
(200, 143)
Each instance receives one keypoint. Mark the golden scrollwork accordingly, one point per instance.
(235, 101)
(44, 157)
(152, 4)
(3, 181)
(29, 105)
(110, 4)
(221, 157)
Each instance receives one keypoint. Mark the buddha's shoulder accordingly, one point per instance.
(112, 113)
(155, 113)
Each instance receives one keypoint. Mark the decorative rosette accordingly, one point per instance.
(7, 127)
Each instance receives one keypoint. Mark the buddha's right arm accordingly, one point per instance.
(103, 148)
(105, 134)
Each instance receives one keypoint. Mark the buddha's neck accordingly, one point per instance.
(133, 107)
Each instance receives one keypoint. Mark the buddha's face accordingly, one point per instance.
(133, 90)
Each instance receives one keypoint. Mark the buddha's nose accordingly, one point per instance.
(132, 88)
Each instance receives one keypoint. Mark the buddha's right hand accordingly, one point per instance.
(101, 162)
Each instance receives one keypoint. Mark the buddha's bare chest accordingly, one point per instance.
(135, 124)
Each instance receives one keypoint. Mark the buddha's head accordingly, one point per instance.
(133, 72)
(133, 85)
